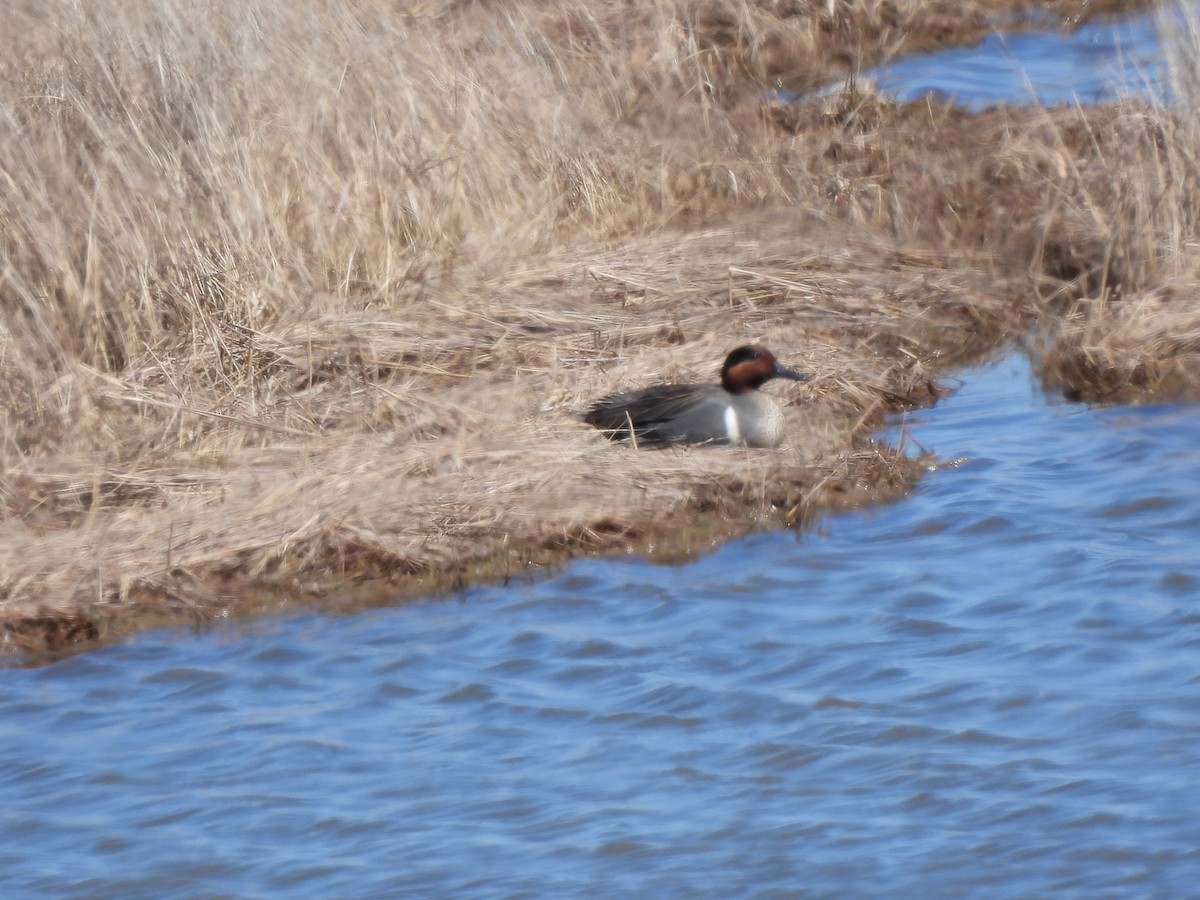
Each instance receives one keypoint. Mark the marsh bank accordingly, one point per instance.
(284, 332)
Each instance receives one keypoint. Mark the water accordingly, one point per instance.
(990, 688)
(1098, 62)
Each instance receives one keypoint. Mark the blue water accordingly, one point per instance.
(1098, 62)
(990, 688)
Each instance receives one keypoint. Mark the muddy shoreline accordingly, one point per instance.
(332, 417)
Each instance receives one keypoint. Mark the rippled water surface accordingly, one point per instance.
(990, 688)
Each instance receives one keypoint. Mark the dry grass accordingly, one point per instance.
(1126, 349)
(1123, 235)
(473, 459)
(301, 299)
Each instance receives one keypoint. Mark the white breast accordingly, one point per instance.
(732, 430)
(765, 425)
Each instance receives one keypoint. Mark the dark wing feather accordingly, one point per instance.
(647, 409)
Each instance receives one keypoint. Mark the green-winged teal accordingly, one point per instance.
(732, 412)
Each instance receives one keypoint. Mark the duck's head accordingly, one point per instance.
(749, 368)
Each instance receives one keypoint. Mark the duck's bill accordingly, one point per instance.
(784, 372)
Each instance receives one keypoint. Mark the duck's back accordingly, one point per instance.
(680, 413)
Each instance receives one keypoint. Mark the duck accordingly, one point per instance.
(732, 412)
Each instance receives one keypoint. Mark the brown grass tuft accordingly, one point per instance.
(1119, 251)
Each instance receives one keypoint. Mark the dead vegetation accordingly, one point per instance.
(300, 305)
